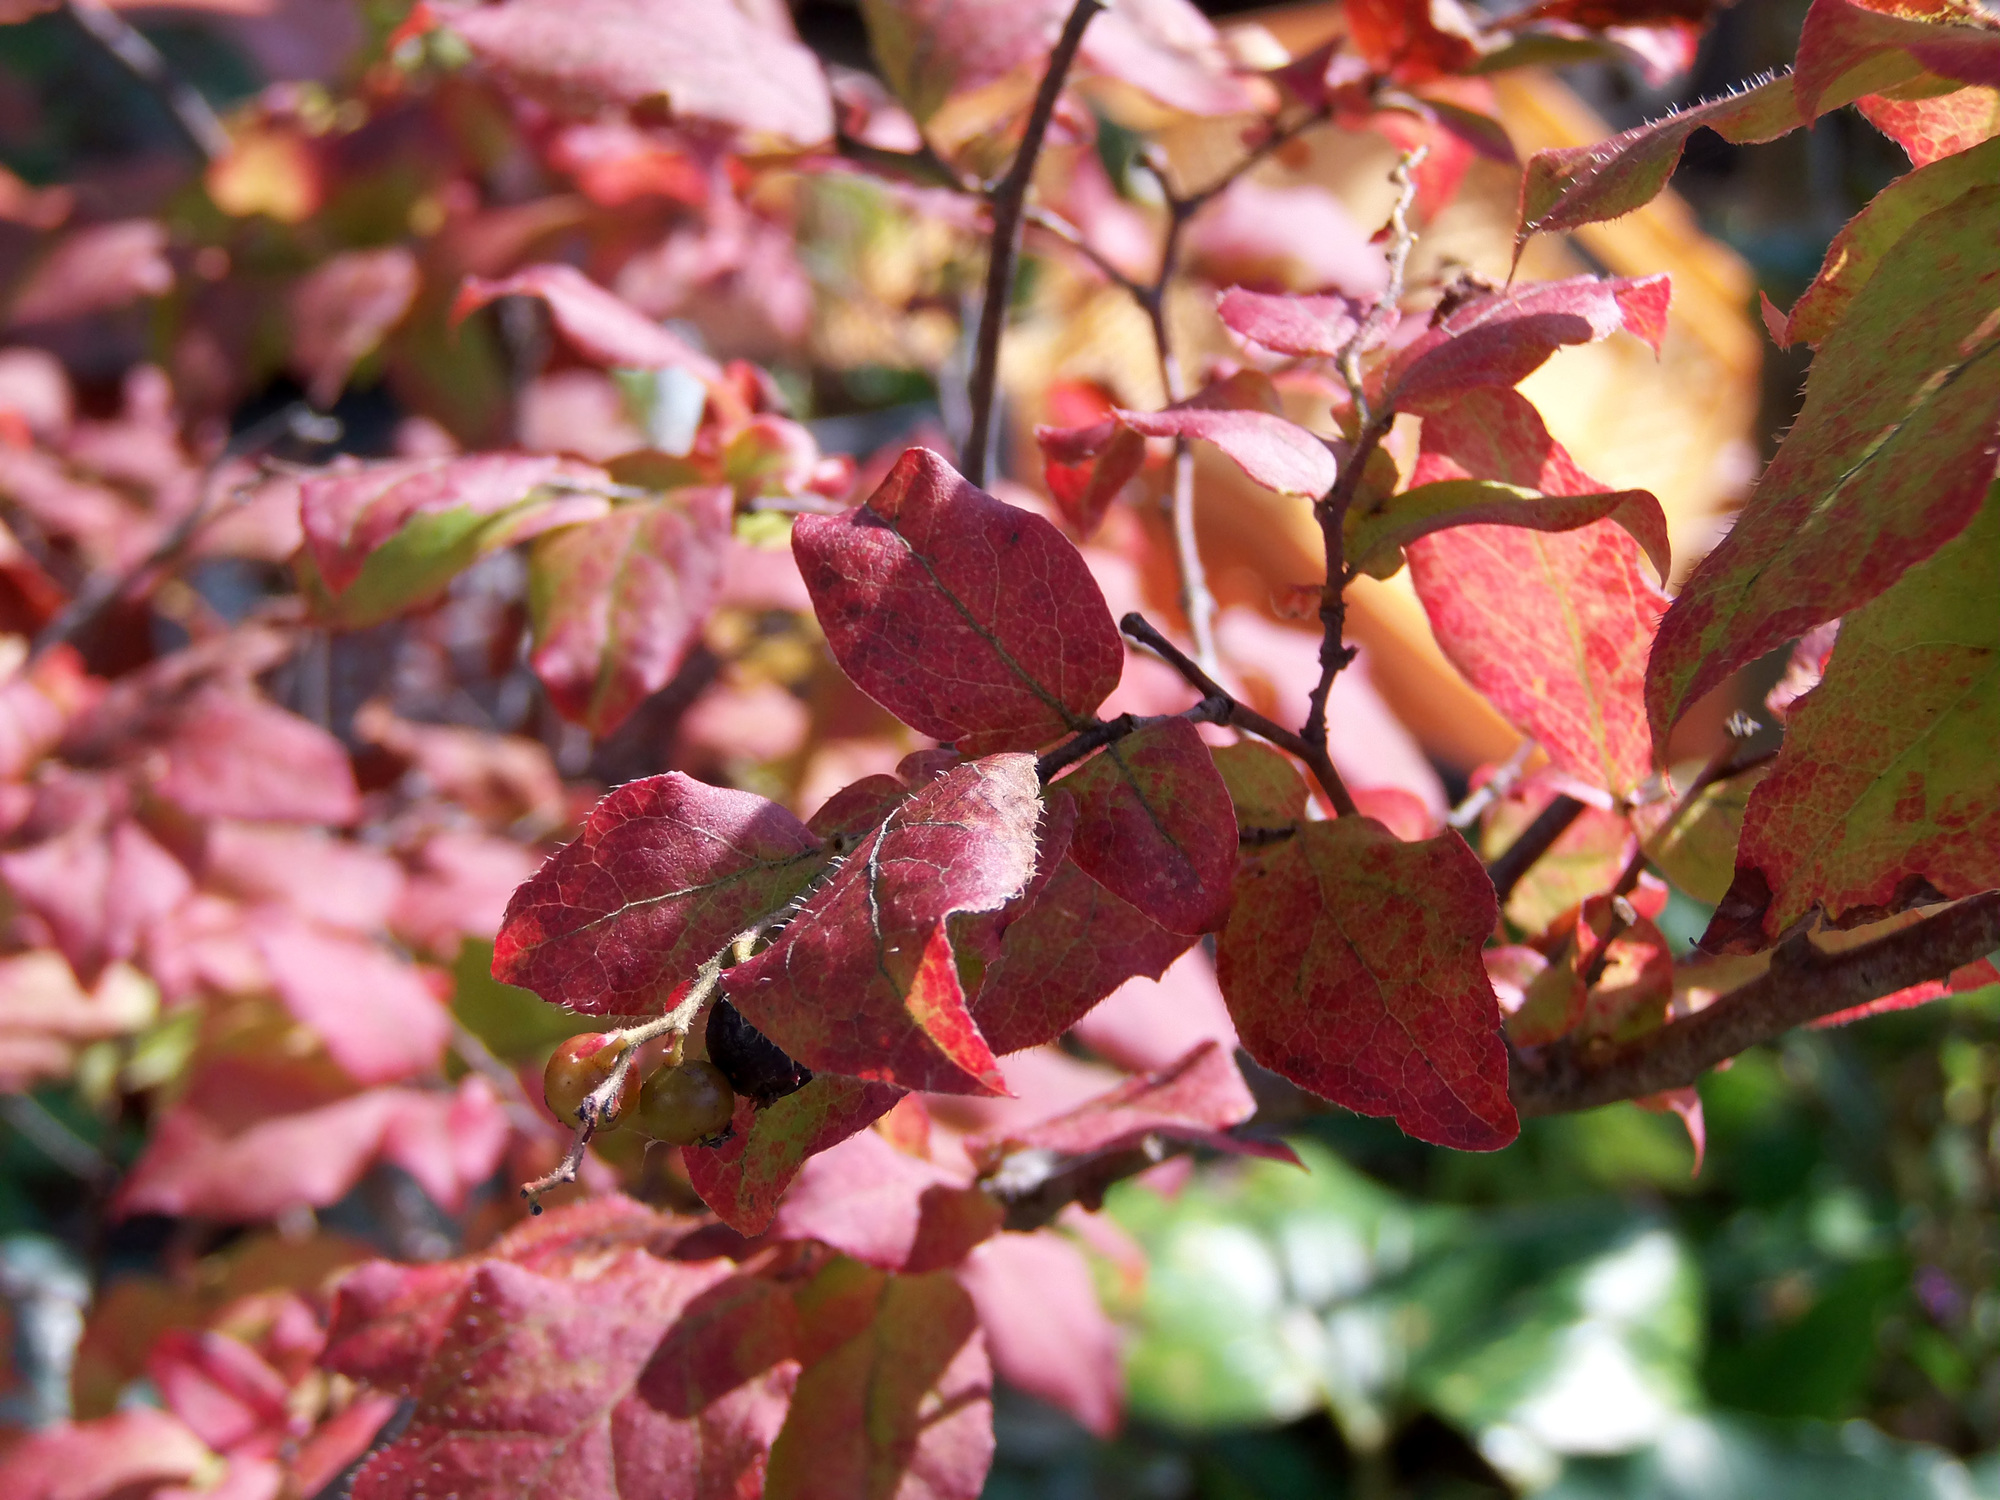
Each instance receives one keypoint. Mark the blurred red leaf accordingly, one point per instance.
(1414, 40)
(705, 62)
(341, 310)
(620, 601)
(1296, 325)
(1351, 964)
(1150, 1022)
(219, 1386)
(131, 1450)
(458, 886)
(1045, 1329)
(603, 327)
(744, 1177)
(969, 619)
(100, 886)
(1155, 825)
(376, 1014)
(334, 881)
(664, 873)
(95, 269)
(884, 1206)
(1279, 454)
(863, 981)
(1087, 467)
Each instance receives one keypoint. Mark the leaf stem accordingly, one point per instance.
(1240, 716)
(1008, 200)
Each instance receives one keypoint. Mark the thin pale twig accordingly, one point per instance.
(144, 61)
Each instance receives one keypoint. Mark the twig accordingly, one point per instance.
(1239, 715)
(1280, 137)
(1534, 841)
(1496, 786)
(1331, 509)
(1008, 199)
(477, 1056)
(54, 1139)
(140, 58)
(1803, 984)
(1036, 216)
(101, 593)
(1211, 710)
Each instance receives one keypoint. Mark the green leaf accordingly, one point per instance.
(1375, 540)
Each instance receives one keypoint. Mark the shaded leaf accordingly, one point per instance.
(743, 1178)
(874, 1202)
(619, 602)
(391, 533)
(1264, 785)
(703, 62)
(862, 981)
(967, 618)
(1503, 337)
(1886, 775)
(1375, 539)
(1351, 964)
(901, 1409)
(665, 872)
(1045, 1329)
(1086, 467)
(1889, 459)
(341, 310)
(600, 325)
(1850, 46)
(1697, 852)
(1155, 825)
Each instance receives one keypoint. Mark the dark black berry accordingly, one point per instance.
(755, 1066)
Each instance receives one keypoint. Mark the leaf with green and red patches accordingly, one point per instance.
(901, 1408)
(1848, 47)
(1195, 1099)
(618, 603)
(728, 1334)
(1887, 776)
(392, 533)
(1888, 461)
(967, 618)
(743, 1178)
(1503, 337)
(600, 325)
(1376, 537)
(1264, 785)
(1856, 252)
(1155, 825)
(1553, 628)
(862, 981)
(1929, 130)
(524, 1366)
(1352, 967)
(666, 871)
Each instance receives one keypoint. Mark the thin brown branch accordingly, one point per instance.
(140, 58)
(1239, 715)
(1803, 984)
(1211, 710)
(1008, 199)
(1280, 137)
(1036, 216)
(1519, 857)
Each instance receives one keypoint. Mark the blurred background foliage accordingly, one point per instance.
(1814, 1313)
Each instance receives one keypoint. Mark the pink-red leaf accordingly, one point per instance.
(705, 63)
(876, 1203)
(1502, 338)
(1929, 130)
(129, 1452)
(1297, 325)
(744, 1177)
(967, 618)
(619, 602)
(1890, 458)
(1155, 825)
(601, 326)
(1351, 964)
(1045, 1329)
(863, 980)
(665, 872)
(377, 1016)
(1279, 454)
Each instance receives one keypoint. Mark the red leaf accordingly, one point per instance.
(970, 620)
(379, 1019)
(1148, 1024)
(1554, 629)
(1972, 976)
(869, 1200)
(1087, 467)
(744, 1177)
(342, 309)
(1414, 41)
(1155, 825)
(92, 270)
(1278, 454)
(100, 889)
(194, 1166)
(703, 62)
(1929, 130)
(218, 1385)
(229, 755)
(1045, 1329)
(1197, 1098)
(1351, 964)
(1296, 325)
(902, 1408)
(1842, 37)
(602, 327)
(863, 981)
(1503, 338)
(729, 1333)
(340, 883)
(619, 602)
(526, 1365)
(664, 873)
(1889, 459)
(128, 1452)
(458, 887)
